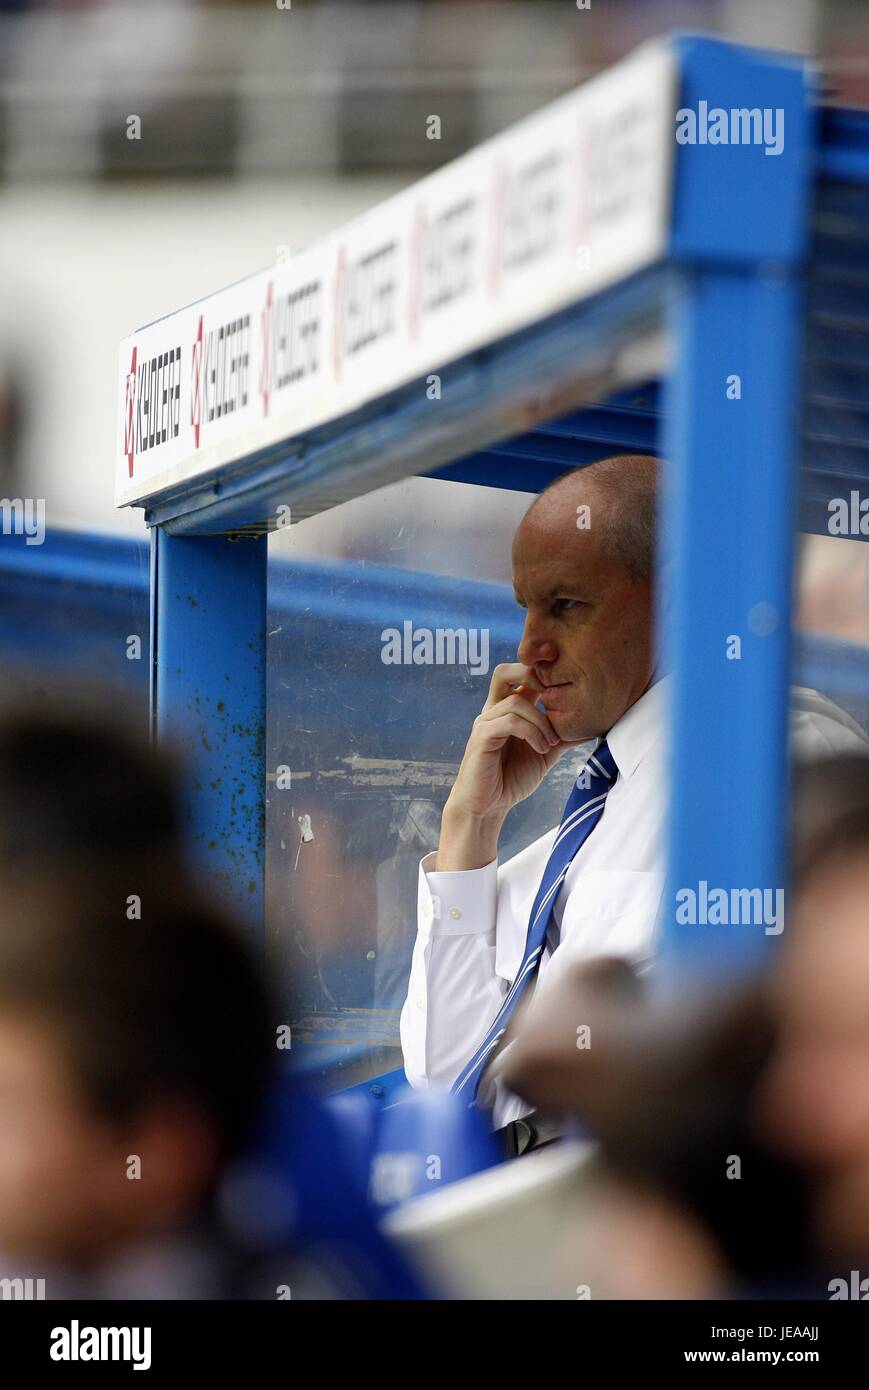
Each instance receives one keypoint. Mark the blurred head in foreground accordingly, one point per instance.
(80, 783)
(133, 1055)
(135, 1039)
(147, 1147)
(733, 1124)
(694, 1203)
(815, 1099)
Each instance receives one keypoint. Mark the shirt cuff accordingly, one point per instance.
(456, 903)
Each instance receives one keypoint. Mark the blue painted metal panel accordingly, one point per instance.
(728, 538)
(731, 435)
(734, 202)
(209, 644)
(627, 423)
(68, 608)
(105, 564)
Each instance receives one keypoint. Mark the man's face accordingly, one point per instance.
(588, 629)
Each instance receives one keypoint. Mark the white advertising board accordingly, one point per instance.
(554, 210)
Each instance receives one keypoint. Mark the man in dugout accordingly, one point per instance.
(490, 933)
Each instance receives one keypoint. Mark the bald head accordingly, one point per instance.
(583, 559)
(621, 494)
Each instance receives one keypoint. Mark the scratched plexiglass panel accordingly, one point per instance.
(365, 734)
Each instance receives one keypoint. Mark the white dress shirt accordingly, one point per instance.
(472, 923)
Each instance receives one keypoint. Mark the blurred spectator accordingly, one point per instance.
(733, 1125)
(700, 1205)
(79, 782)
(815, 1099)
(133, 1058)
(147, 1147)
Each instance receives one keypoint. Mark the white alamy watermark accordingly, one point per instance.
(854, 1287)
(849, 516)
(23, 516)
(740, 125)
(722, 907)
(77, 1343)
(441, 646)
(22, 1290)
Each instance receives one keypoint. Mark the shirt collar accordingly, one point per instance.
(631, 737)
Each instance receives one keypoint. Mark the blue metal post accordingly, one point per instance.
(209, 696)
(731, 438)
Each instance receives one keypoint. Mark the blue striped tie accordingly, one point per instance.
(581, 814)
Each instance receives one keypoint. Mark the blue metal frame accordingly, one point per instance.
(209, 644)
(729, 493)
(731, 435)
(729, 294)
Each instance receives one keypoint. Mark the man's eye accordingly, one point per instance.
(565, 603)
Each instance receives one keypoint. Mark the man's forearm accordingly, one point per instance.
(467, 842)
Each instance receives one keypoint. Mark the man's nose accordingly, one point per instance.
(536, 644)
